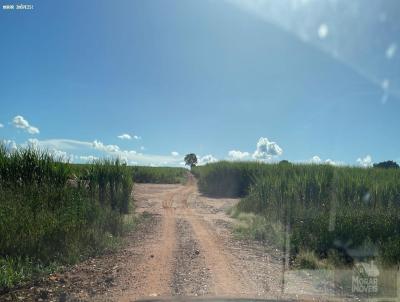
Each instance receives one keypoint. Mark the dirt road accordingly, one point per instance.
(191, 251)
(190, 256)
(186, 248)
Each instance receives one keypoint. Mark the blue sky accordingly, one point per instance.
(269, 80)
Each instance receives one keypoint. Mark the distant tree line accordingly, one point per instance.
(389, 164)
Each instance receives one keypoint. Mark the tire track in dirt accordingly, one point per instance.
(191, 276)
(156, 269)
(160, 264)
(225, 280)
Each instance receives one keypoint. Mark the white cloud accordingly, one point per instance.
(206, 159)
(124, 136)
(21, 123)
(34, 142)
(318, 160)
(237, 155)
(365, 161)
(98, 145)
(1, 125)
(266, 150)
(83, 147)
(391, 51)
(323, 31)
(88, 158)
(142, 148)
(33, 130)
(315, 160)
(385, 84)
(62, 155)
(131, 155)
(331, 162)
(10, 145)
(61, 144)
(127, 136)
(123, 159)
(174, 153)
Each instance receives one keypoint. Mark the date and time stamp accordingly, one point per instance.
(16, 7)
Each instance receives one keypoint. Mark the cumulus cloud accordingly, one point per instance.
(98, 145)
(124, 136)
(21, 123)
(10, 145)
(174, 153)
(315, 160)
(318, 160)
(365, 161)
(206, 159)
(62, 155)
(1, 125)
(137, 137)
(266, 149)
(237, 155)
(331, 162)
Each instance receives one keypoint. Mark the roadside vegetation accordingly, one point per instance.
(159, 175)
(52, 213)
(333, 215)
(146, 174)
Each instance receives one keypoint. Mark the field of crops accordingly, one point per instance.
(54, 213)
(165, 175)
(51, 214)
(341, 213)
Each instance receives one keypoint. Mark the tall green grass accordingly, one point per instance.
(165, 175)
(225, 179)
(50, 212)
(351, 211)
